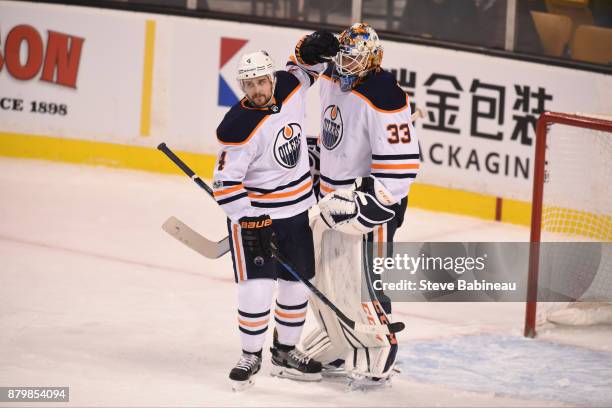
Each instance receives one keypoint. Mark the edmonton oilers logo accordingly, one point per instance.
(332, 127)
(287, 145)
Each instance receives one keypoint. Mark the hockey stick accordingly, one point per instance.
(203, 245)
(166, 150)
(384, 329)
(206, 247)
(192, 239)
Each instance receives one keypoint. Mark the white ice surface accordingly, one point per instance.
(95, 296)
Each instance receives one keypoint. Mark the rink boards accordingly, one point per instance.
(86, 93)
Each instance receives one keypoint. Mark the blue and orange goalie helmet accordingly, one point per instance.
(360, 53)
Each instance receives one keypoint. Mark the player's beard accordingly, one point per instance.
(260, 99)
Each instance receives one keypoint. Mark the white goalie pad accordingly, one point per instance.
(339, 276)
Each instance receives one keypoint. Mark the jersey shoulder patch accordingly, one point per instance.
(238, 124)
(286, 83)
(382, 92)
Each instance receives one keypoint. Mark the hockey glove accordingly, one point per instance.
(357, 211)
(316, 48)
(257, 235)
(370, 185)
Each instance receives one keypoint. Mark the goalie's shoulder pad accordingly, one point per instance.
(382, 92)
(239, 124)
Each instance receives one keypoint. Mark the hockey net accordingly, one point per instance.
(572, 202)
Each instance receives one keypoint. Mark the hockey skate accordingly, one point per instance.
(289, 362)
(361, 382)
(242, 374)
(334, 370)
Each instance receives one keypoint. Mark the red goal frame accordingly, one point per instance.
(544, 122)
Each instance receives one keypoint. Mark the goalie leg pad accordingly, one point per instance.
(340, 277)
(374, 362)
(318, 344)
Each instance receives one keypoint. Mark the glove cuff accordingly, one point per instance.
(298, 52)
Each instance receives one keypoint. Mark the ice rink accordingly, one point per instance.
(95, 296)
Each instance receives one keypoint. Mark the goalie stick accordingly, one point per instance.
(214, 250)
(200, 242)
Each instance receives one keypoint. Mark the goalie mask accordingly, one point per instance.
(254, 65)
(360, 53)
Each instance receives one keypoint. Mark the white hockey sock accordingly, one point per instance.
(254, 298)
(290, 311)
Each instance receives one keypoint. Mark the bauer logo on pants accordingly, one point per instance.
(287, 145)
(332, 127)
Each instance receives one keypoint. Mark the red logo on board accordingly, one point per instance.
(57, 61)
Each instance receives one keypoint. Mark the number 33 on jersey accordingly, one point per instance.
(370, 125)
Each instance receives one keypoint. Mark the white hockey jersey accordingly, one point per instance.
(263, 167)
(367, 131)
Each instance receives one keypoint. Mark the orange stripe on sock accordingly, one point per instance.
(289, 315)
(253, 324)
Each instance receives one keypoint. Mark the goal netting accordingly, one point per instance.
(570, 276)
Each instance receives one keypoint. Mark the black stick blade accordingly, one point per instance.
(396, 327)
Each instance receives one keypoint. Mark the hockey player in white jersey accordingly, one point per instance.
(262, 182)
(369, 156)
